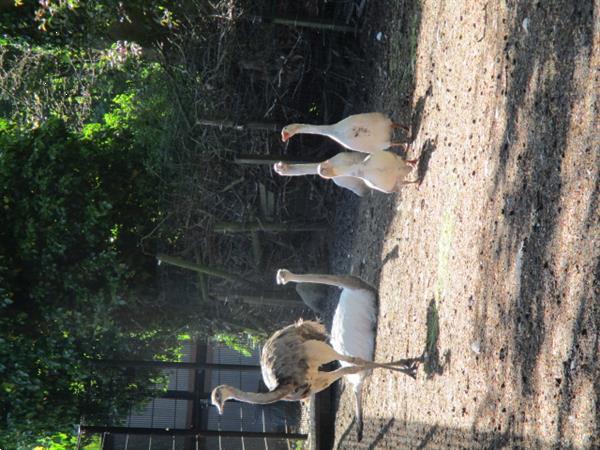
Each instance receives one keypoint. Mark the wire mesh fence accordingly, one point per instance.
(184, 419)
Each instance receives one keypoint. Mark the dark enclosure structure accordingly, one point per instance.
(183, 418)
(285, 68)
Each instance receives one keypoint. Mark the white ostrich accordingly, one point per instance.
(356, 185)
(366, 132)
(353, 328)
(381, 171)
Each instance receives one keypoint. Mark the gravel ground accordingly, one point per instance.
(491, 266)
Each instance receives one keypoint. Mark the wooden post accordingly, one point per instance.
(233, 227)
(200, 268)
(262, 298)
(304, 23)
(257, 160)
(265, 126)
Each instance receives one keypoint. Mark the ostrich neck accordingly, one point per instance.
(331, 280)
(323, 130)
(257, 398)
(293, 170)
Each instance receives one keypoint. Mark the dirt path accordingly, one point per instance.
(492, 266)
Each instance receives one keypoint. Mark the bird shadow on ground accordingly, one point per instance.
(417, 116)
(431, 354)
(381, 434)
(427, 150)
(347, 434)
(390, 256)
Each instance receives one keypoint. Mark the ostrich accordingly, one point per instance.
(382, 170)
(292, 356)
(356, 185)
(366, 132)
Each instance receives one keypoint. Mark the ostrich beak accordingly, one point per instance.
(285, 136)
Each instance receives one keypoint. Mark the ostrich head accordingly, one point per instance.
(220, 395)
(289, 130)
(282, 276)
(281, 168)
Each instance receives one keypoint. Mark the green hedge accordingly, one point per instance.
(74, 206)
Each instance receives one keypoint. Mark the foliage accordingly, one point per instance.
(64, 441)
(102, 162)
(88, 23)
(74, 206)
(243, 343)
(39, 81)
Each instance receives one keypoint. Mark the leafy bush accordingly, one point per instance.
(76, 85)
(74, 206)
(87, 22)
(243, 343)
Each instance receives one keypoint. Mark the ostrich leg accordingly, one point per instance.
(320, 353)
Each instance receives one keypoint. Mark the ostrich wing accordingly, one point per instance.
(356, 185)
(283, 361)
(347, 159)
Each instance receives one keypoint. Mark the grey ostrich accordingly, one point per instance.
(291, 357)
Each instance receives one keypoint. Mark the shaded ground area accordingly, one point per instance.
(492, 265)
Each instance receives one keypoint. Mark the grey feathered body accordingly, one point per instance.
(285, 362)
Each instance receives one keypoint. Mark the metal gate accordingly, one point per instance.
(183, 417)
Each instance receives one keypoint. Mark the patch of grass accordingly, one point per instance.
(432, 364)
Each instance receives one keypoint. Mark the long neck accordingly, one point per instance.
(323, 130)
(293, 170)
(331, 280)
(341, 281)
(257, 398)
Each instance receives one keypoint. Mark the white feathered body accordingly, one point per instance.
(366, 133)
(353, 329)
(353, 334)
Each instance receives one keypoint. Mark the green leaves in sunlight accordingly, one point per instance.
(75, 204)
